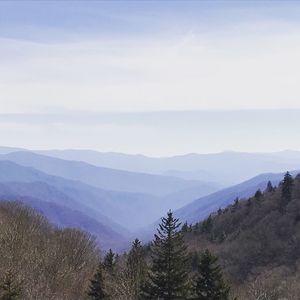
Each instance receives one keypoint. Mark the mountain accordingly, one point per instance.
(118, 210)
(224, 168)
(202, 207)
(54, 197)
(6, 150)
(104, 178)
(96, 203)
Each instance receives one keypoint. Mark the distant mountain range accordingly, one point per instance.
(130, 210)
(105, 178)
(63, 201)
(114, 204)
(225, 168)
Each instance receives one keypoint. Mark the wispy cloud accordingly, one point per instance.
(186, 72)
(57, 58)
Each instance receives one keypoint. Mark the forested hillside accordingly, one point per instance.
(257, 240)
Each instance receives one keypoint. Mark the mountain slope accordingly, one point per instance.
(121, 207)
(258, 242)
(202, 207)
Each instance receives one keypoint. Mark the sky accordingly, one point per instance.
(151, 77)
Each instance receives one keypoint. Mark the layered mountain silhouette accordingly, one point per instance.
(106, 178)
(114, 204)
(224, 168)
(124, 208)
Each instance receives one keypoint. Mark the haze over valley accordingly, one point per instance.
(149, 150)
(84, 188)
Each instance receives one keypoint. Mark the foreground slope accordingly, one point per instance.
(44, 262)
(64, 211)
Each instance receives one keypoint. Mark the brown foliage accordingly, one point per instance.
(47, 262)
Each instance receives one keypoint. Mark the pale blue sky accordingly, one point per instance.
(74, 58)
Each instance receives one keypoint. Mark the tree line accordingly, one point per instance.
(167, 275)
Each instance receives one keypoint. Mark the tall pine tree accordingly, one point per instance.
(209, 283)
(287, 186)
(168, 276)
(97, 286)
(270, 187)
(109, 262)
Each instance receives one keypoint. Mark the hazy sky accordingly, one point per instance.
(61, 63)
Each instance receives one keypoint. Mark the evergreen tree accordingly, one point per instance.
(287, 186)
(185, 227)
(109, 262)
(97, 286)
(194, 259)
(136, 268)
(249, 202)
(168, 276)
(258, 194)
(209, 283)
(9, 290)
(207, 224)
(235, 205)
(270, 187)
(222, 237)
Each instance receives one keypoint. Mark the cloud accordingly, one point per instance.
(58, 80)
(181, 72)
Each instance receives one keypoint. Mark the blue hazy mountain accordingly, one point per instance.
(224, 168)
(123, 208)
(117, 197)
(105, 178)
(6, 150)
(22, 181)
